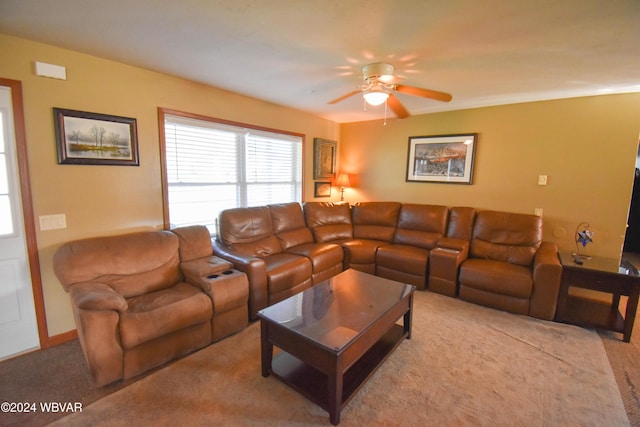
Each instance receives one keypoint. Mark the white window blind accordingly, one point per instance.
(213, 166)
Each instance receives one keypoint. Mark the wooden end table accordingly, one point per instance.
(600, 274)
(335, 335)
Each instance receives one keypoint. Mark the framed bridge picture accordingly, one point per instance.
(441, 158)
(84, 138)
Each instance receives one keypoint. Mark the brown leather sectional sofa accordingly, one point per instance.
(142, 299)
(497, 259)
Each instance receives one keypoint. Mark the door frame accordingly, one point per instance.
(27, 208)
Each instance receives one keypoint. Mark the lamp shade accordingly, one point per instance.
(343, 180)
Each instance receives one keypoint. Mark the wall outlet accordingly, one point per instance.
(52, 222)
(537, 211)
(542, 180)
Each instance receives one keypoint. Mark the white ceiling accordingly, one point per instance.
(304, 53)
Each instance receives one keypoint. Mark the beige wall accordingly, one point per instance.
(101, 200)
(586, 146)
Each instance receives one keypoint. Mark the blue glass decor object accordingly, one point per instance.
(584, 236)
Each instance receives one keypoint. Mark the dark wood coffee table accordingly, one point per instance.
(334, 336)
(607, 275)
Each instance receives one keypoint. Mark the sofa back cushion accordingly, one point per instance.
(288, 225)
(194, 242)
(375, 220)
(508, 237)
(132, 264)
(421, 225)
(248, 231)
(460, 225)
(328, 221)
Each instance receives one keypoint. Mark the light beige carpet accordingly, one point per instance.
(465, 365)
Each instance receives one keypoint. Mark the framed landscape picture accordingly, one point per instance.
(84, 138)
(441, 158)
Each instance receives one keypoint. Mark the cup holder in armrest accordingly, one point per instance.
(215, 276)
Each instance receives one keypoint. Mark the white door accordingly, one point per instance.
(18, 326)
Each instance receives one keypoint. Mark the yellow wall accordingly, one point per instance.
(101, 200)
(586, 146)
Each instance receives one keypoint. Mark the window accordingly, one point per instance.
(6, 215)
(214, 165)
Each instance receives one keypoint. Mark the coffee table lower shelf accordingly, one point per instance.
(313, 384)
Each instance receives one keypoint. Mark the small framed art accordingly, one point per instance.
(322, 189)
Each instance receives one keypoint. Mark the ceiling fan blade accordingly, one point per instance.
(343, 97)
(397, 107)
(425, 93)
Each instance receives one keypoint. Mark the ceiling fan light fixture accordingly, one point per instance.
(375, 97)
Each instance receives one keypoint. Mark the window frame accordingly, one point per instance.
(163, 112)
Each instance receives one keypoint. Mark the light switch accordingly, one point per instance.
(53, 222)
(542, 180)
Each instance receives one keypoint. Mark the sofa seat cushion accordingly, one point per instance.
(497, 277)
(285, 271)
(159, 313)
(409, 259)
(362, 251)
(323, 256)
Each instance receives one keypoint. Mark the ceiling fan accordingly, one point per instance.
(379, 85)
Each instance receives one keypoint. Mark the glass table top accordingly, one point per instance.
(333, 312)
(610, 265)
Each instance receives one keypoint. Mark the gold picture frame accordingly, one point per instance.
(324, 158)
(322, 189)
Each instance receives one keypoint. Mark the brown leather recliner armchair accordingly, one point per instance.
(247, 239)
(420, 227)
(132, 306)
(510, 267)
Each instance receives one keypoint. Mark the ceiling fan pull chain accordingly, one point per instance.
(385, 113)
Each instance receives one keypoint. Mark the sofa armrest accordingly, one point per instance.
(96, 296)
(444, 268)
(256, 271)
(197, 270)
(547, 274)
(97, 309)
(458, 245)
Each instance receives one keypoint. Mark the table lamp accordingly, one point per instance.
(343, 181)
